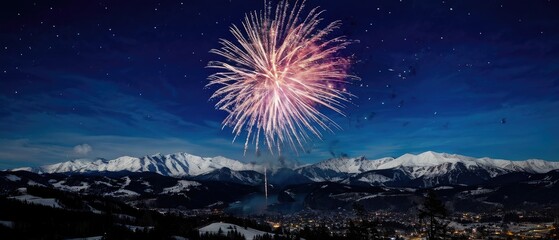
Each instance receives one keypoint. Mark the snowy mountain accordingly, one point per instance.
(177, 164)
(431, 159)
(337, 169)
(227, 175)
(423, 170)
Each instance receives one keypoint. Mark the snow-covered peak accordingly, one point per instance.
(427, 164)
(426, 159)
(70, 166)
(349, 165)
(177, 164)
(431, 159)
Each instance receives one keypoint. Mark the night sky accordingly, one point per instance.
(88, 79)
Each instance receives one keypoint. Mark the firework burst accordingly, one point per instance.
(278, 72)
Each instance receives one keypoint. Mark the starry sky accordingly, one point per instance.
(88, 79)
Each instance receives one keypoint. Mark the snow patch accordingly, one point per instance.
(134, 228)
(12, 178)
(50, 202)
(374, 178)
(60, 185)
(94, 210)
(249, 233)
(122, 193)
(8, 224)
(87, 238)
(182, 185)
(478, 191)
(103, 183)
(33, 183)
(127, 182)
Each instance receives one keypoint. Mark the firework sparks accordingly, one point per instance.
(280, 70)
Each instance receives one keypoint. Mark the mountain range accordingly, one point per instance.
(183, 180)
(428, 169)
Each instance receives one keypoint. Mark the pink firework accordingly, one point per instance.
(278, 72)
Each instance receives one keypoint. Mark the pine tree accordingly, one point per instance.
(434, 212)
(266, 236)
(235, 235)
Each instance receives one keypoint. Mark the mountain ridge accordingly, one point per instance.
(426, 169)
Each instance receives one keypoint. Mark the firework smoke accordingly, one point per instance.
(279, 70)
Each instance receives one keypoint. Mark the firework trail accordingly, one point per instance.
(279, 70)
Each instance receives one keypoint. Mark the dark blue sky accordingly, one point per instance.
(86, 79)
